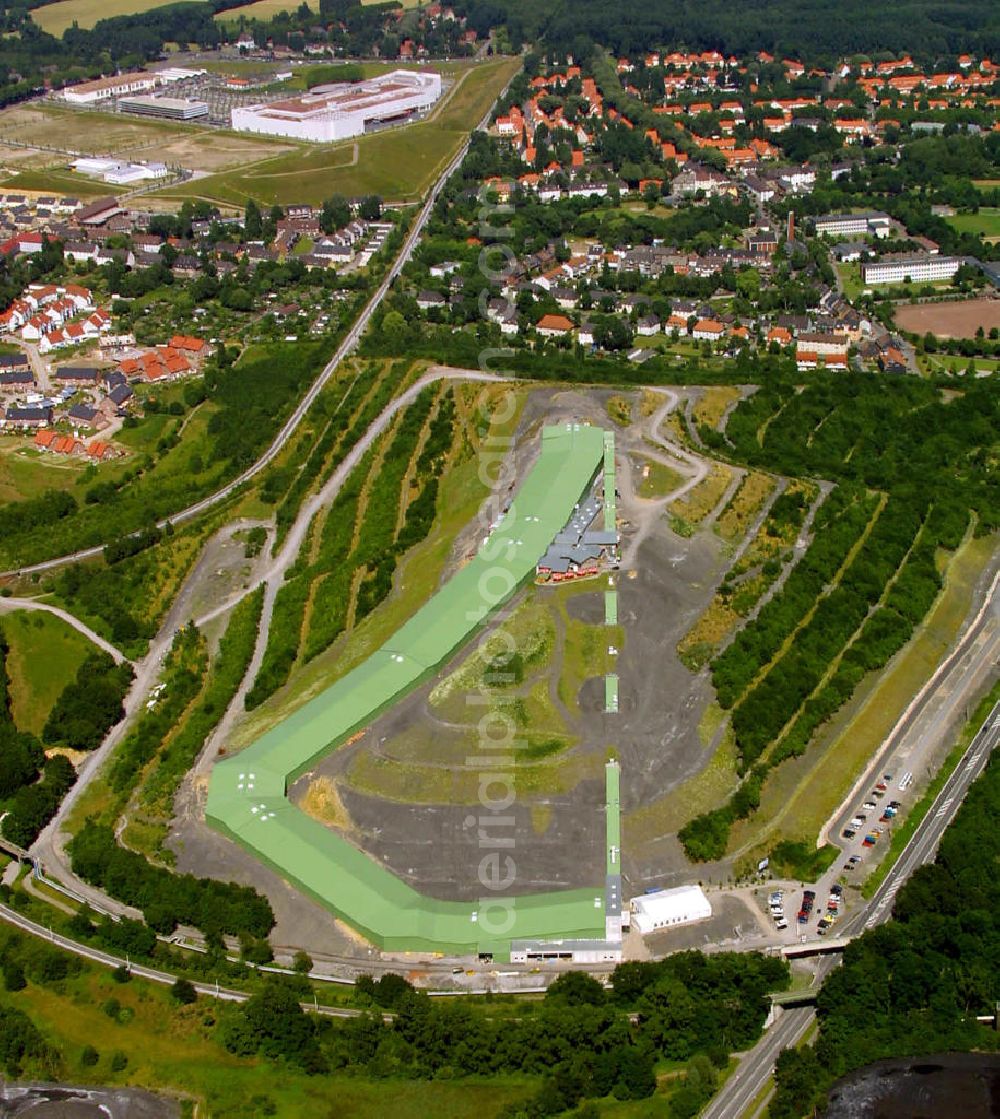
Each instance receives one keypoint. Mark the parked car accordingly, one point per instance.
(848, 833)
(869, 840)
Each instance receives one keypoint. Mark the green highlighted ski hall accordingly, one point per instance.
(247, 798)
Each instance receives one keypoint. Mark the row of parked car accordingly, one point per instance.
(833, 903)
(858, 822)
(777, 902)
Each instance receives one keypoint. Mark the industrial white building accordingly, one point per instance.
(344, 109)
(119, 173)
(566, 951)
(167, 108)
(122, 85)
(87, 93)
(666, 909)
(922, 268)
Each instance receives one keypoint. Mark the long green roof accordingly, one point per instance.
(247, 797)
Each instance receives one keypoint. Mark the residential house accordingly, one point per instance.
(28, 417)
(708, 330)
(553, 326)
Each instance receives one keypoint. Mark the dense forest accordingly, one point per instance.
(823, 28)
(915, 985)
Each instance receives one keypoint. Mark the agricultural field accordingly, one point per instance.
(45, 653)
(985, 223)
(55, 18)
(268, 9)
(955, 319)
(398, 164)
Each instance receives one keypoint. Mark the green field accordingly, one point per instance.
(986, 223)
(44, 655)
(54, 181)
(397, 164)
(173, 1050)
(55, 18)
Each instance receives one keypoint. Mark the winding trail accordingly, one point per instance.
(9, 605)
(675, 451)
(274, 575)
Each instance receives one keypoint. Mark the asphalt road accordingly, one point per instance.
(95, 955)
(746, 1084)
(343, 350)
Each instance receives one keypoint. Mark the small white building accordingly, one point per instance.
(86, 93)
(665, 909)
(565, 951)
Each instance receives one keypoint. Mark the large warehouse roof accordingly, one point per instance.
(666, 908)
(247, 793)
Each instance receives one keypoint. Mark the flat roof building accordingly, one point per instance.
(873, 222)
(666, 909)
(344, 109)
(921, 268)
(167, 108)
(86, 93)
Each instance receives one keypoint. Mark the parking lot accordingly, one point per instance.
(799, 911)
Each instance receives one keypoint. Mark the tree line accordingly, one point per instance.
(583, 1042)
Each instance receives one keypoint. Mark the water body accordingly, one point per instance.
(963, 1085)
(59, 1101)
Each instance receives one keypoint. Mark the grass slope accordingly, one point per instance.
(45, 654)
(172, 1050)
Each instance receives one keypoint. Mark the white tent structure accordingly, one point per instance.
(666, 909)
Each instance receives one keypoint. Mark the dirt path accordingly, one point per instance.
(650, 510)
(799, 549)
(9, 605)
(49, 847)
